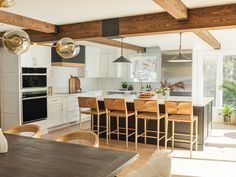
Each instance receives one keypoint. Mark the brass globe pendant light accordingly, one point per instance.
(67, 48)
(7, 3)
(16, 41)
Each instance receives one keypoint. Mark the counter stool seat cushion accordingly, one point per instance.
(149, 115)
(120, 113)
(180, 118)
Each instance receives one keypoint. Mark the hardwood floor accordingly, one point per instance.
(217, 160)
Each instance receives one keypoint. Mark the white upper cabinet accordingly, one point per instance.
(92, 69)
(108, 69)
(36, 56)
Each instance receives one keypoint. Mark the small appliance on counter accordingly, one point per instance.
(74, 85)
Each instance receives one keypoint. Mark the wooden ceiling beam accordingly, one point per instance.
(175, 8)
(26, 22)
(208, 38)
(114, 43)
(207, 18)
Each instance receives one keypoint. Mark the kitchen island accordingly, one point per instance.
(202, 107)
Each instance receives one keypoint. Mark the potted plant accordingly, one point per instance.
(227, 112)
(124, 85)
(162, 91)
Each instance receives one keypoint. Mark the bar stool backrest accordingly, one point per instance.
(88, 102)
(115, 104)
(179, 107)
(27, 128)
(83, 137)
(141, 105)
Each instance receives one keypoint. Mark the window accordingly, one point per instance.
(145, 68)
(229, 71)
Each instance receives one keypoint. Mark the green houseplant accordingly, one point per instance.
(229, 93)
(227, 112)
(124, 85)
(229, 89)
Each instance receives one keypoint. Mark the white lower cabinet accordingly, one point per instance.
(63, 110)
(55, 111)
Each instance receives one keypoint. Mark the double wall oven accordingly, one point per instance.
(34, 94)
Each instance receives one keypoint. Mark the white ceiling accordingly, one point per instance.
(71, 11)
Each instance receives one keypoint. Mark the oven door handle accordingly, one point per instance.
(33, 98)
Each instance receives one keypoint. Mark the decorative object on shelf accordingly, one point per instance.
(163, 91)
(3, 143)
(172, 87)
(148, 88)
(121, 59)
(7, 3)
(16, 41)
(50, 90)
(180, 58)
(67, 48)
(124, 85)
(130, 87)
(227, 112)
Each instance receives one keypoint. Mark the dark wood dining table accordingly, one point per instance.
(30, 157)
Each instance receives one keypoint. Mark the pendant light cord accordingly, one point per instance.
(122, 46)
(180, 43)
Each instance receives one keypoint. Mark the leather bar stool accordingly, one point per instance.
(181, 111)
(148, 110)
(89, 106)
(116, 107)
(27, 128)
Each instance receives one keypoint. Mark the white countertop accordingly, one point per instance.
(101, 94)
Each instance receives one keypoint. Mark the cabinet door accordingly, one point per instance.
(55, 111)
(104, 65)
(54, 115)
(26, 58)
(73, 109)
(40, 56)
(92, 65)
(36, 56)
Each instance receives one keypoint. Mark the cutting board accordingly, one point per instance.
(74, 84)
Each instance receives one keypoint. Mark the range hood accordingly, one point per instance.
(78, 61)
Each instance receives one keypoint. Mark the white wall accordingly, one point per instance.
(60, 79)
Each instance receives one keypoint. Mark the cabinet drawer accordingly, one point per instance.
(54, 100)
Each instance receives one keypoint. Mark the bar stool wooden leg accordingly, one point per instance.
(92, 122)
(158, 133)
(98, 125)
(145, 131)
(117, 128)
(107, 127)
(191, 139)
(126, 132)
(166, 132)
(173, 134)
(136, 132)
(196, 132)
(80, 120)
